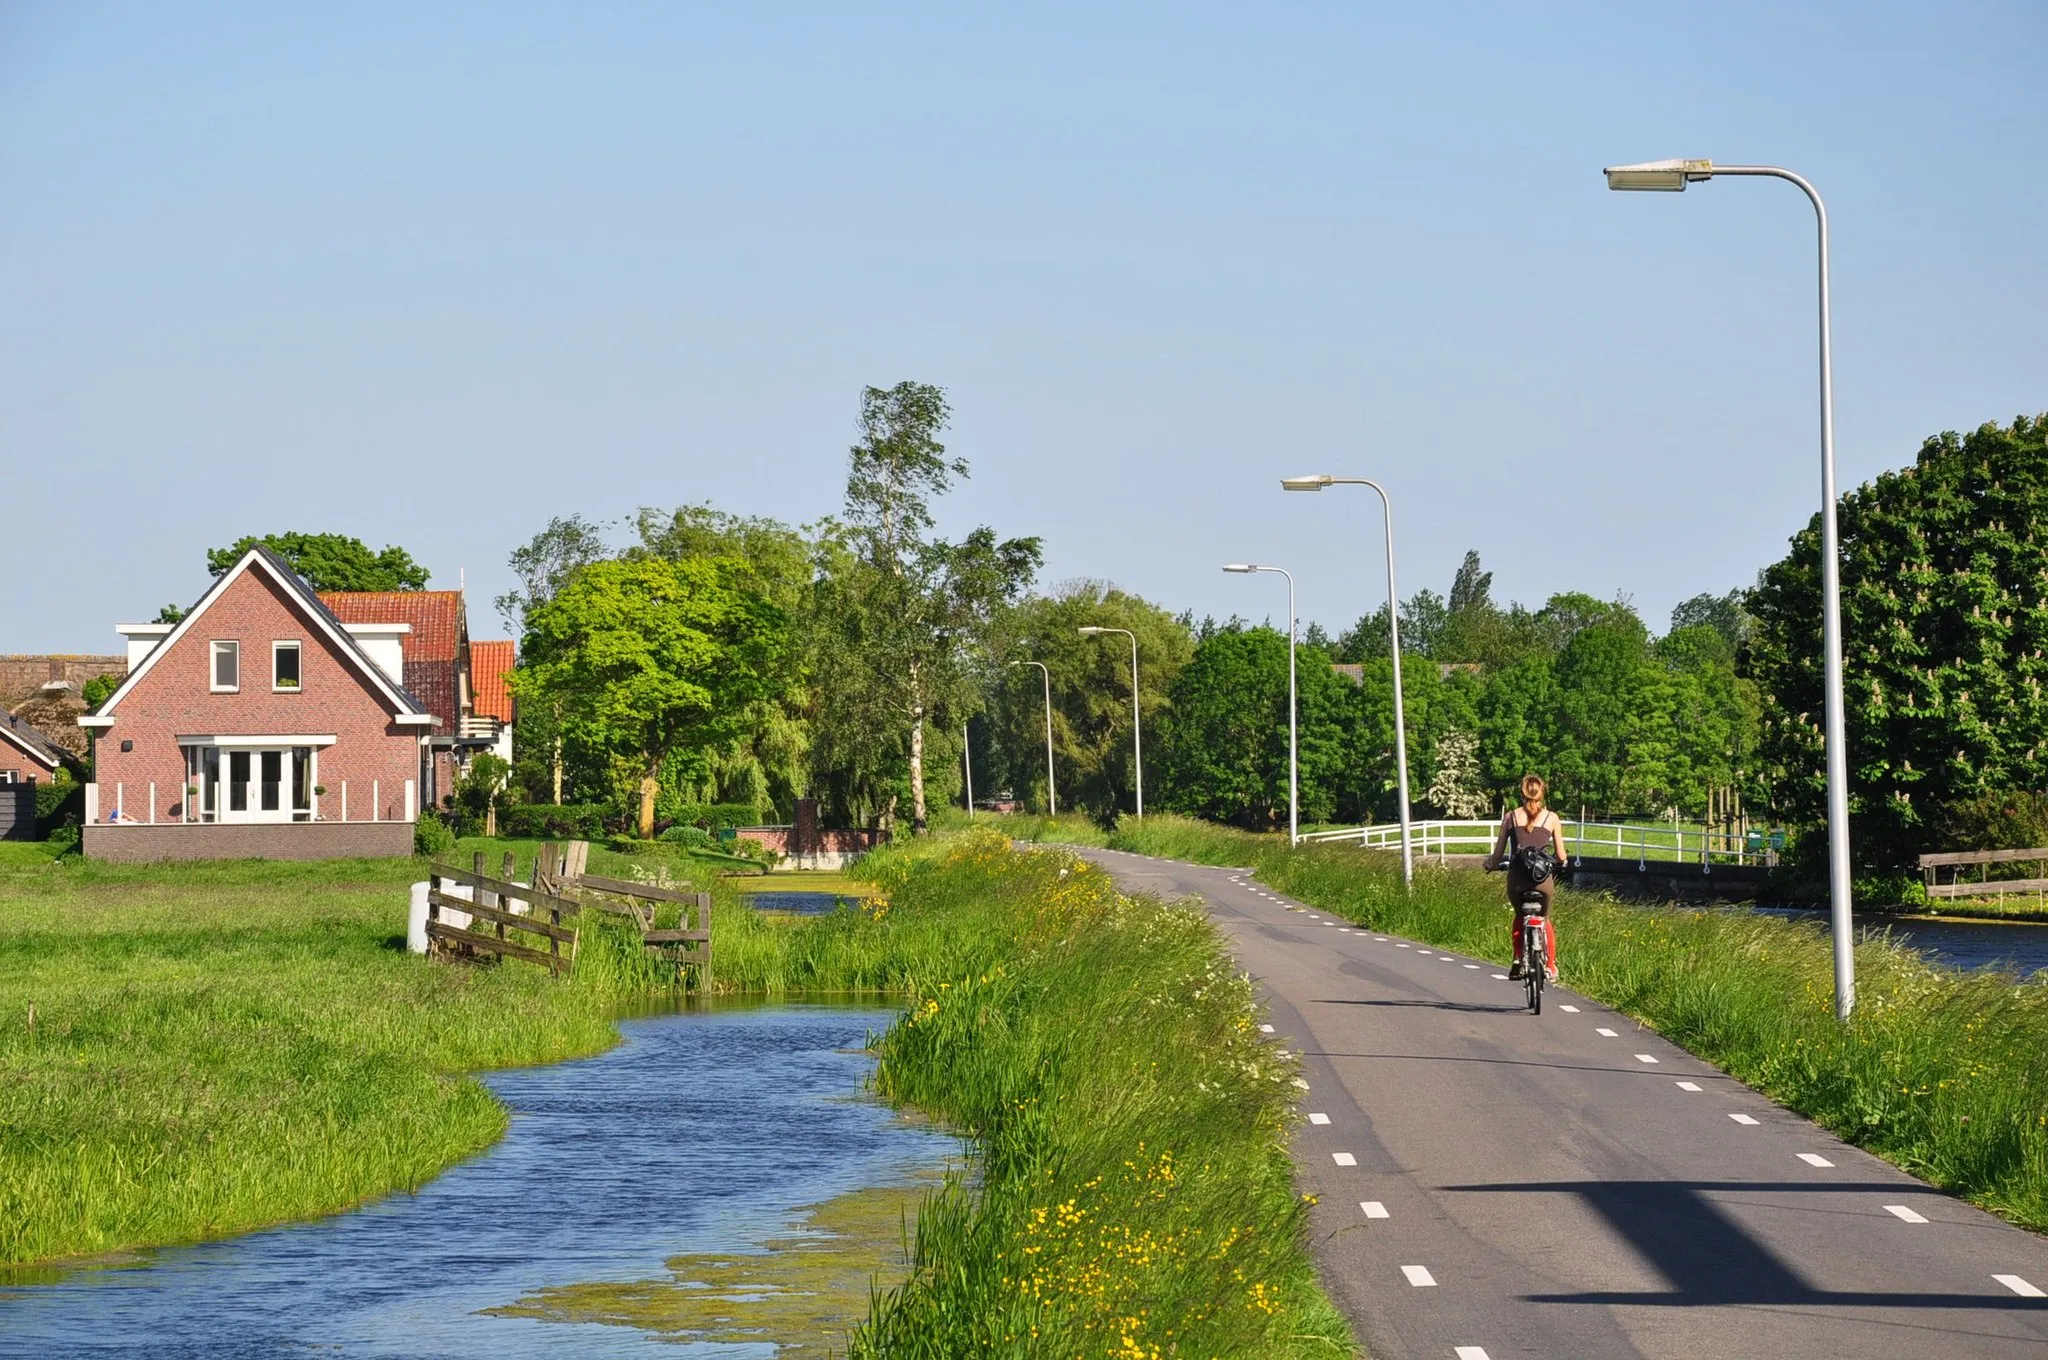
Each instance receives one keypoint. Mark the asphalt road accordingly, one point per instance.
(1494, 1184)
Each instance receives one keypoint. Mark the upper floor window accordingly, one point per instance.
(227, 667)
(284, 665)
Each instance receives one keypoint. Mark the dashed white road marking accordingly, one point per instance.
(1471, 965)
(1688, 1086)
(1265, 1029)
(1423, 952)
(1569, 1010)
(1403, 946)
(1646, 1057)
(1373, 1208)
(1343, 1159)
(1471, 1353)
(1319, 1118)
(1381, 938)
(1420, 1277)
(1901, 1211)
(1500, 977)
(1814, 1159)
(2020, 1287)
(1742, 1119)
(1605, 1033)
(1344, 930)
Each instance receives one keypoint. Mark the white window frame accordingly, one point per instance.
(213, 650)
(287, 644)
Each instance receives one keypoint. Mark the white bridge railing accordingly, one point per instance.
(1643, 842)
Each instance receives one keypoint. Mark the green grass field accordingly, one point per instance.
(1939, 1072)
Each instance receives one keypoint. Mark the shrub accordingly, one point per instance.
(695, 837)
(59, 804)
(548, 821)
(431, 836)
(712, 816)
(2013, 820)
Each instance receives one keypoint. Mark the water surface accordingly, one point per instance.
(702, 1132)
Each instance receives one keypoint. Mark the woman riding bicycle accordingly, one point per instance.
(1531, 826)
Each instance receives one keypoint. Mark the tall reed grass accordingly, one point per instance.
(1133, 1193)
(1941, 1072)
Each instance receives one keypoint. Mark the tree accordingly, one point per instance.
(1944, 625)
(1223, 744)
(330, 561)
(1091, 691)
(545, 563)
(1727, 615)
(1454, 786)
(1471, 588)
(903, 612)
(651, 659)
(170, 613)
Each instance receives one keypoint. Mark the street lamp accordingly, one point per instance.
(1317, 483)
(1137, 737)
(1052, 799)
(1293, 746)
(1673, 176)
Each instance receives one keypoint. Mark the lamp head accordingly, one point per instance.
(1315, 483)
(1668, 176)
(1090, 630)
(1240, 567)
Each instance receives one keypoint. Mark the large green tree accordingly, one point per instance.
(330, 561)
(653, 659)
(1945, 626)
(903, 616)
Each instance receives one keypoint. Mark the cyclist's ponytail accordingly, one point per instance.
(1533, 790)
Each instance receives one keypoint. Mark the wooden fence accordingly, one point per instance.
(562, 888)
(1983, 885)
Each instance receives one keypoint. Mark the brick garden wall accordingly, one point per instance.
(244, 840)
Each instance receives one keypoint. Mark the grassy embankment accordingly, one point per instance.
(219, 1046)
(1939, 1072)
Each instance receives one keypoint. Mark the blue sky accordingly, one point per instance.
(427, 274)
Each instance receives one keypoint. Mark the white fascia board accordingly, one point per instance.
(276, 739)
(95, 721)
(17, 740)
(144, 629)
(416, 720)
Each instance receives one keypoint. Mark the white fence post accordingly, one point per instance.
(92, 803)
(412, 811)
(152, 802)
(376, 800)
(344, 800)
(120, 791)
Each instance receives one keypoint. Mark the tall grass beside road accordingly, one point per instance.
(1134, 1194)
(1939, 1072)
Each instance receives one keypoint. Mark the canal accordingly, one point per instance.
(715, 1183)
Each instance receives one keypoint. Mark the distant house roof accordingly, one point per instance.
(432, 650)
(18, 733)
(490, 667)
(435, 616)
(1350, 670)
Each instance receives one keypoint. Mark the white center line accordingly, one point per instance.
(1373, 1208)
(1343, 1159)
(1423, 952)
(1403, 946)
(1569, 1010)
(1605, 1033)
(1901, 1211)
(1814, 1159)
(2019, 1287)
(1381, 938)
(1471, 1353)
(1688, 1086)
(1420, 1277)
(1645, 1057)
(1344, 929)
(1471, 965)
(1265, 1029)
(1742, 1119)
(1319, 1118)
(1500, 977)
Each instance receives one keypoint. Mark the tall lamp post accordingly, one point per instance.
(1137, 736)
(1293, 744)
(1052, 799)
(1317, 483)
(1672, 176)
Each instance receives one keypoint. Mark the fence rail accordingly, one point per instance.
(1983, 885)
(1642, 842)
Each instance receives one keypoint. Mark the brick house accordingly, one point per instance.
(26, 756)
(491, 664)
(260, 725)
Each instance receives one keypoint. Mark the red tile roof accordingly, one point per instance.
(432, 650)
(490, 666)
(435, 616)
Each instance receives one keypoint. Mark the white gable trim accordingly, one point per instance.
(21, 743)
(315, 612)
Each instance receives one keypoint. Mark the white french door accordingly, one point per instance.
(253, 783)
